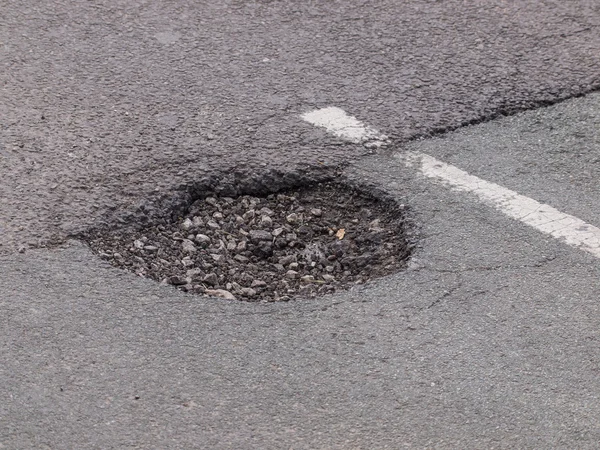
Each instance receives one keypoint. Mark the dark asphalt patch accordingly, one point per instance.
(302, 242)
(110, 102)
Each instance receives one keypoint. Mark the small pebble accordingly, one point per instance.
(187, 224)
(260, 235)
(194, 273)
(188, 246)
(248, 292)
(292, 274)
(285, 260)
(187, 262)
(202, 239)
(198, 288)
(292, 218)
(177, 280)
(211, 278)
(221, 293)
(266, 221)
(375, 225)
(241, 258)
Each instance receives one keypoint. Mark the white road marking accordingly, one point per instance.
(540, 216)
(336, 121)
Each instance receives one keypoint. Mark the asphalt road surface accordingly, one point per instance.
(110, 110)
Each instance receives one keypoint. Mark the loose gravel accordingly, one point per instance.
(299, 243)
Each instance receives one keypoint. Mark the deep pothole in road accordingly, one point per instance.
(297, 243)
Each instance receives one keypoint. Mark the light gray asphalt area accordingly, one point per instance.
(550, 154)
(489, 340)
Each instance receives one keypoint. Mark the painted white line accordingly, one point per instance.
(337, 122)
(545, 218)
(540, 216)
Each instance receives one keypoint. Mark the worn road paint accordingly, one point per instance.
(336, 121)
(540, 216)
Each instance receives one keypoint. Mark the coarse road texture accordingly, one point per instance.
(488, 340)
(107, 103)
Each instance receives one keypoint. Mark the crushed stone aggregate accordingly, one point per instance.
(298, 243)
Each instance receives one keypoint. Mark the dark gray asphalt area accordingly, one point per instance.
(104, 104)
(488, 340)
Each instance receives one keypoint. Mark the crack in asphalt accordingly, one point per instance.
(541, 263)
(446, 294)
(506, 110)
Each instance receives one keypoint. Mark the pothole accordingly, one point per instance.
(298, 243)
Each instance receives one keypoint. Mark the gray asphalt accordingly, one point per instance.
(488, 340)
(107, 104)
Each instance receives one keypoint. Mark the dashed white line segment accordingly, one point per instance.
(569, 229)
(336, 121)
